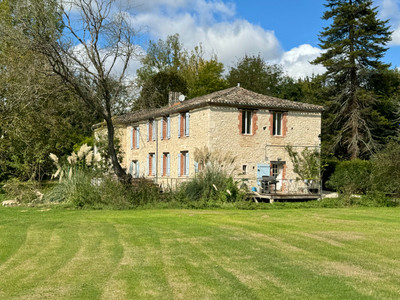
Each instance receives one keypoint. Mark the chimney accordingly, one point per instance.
(173, 97)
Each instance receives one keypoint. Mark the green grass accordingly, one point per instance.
(350, 253)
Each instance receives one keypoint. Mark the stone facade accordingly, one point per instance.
(218, 126)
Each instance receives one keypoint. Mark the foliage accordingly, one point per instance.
(386, 169)
(27, 192)
(354, 43)
(211, 185)
(254, 74)
(352, 177)
(155, 90)
(97, 74)
(306, 164)
(218, 160)
(167, 66)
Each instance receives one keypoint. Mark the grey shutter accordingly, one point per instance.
(132, 138)
(148, 165)
(187, 118)
(153, 165)
(162, 165)
(131, 168)
(168, 164)
(137, 170)
(169, 127)
(161, 128)
(154, 130)
(137, 137)
(196, 167)
(179, 165)
(179, 125)
(187, 164)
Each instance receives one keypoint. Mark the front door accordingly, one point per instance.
(277, 172)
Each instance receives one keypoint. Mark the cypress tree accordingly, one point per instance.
(355, 43)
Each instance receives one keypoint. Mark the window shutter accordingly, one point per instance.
(132, 138)
(137, 170)
(179, 125)
(161, 128)
(179, 165)
(148, 165)
(148, 131)
(187, 118)
(153, 136)
(131, 168)
(196, 167)
(162, 165)
(137, 137)
(153, 165)
(169, 127)
(168, 164)
(187, 164)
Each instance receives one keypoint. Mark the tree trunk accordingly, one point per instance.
(121, 174)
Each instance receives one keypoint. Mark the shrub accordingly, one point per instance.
(23, 192)
(386, 169)
(211, 185)
(351, 177)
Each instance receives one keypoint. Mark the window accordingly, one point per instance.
(244, 169)
(165, 164)
(151, 164)
(247, 121)
(183, 124)
(277, 123)
(151, 130)
(134, 137)
(134, 169)
(165, 128)
(183, 163)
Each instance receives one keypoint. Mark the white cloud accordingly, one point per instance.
(296, 62)
(390, 10)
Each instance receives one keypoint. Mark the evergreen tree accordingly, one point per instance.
(354, 43)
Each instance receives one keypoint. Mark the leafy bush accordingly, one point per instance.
(351, 177)
(386, 169)
(211, 185)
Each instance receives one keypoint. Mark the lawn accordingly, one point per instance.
(351, 253)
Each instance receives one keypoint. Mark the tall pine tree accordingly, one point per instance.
(355, 42)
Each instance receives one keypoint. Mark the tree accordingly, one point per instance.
(155, 90)
(354, 43)
(38, 114)
(89, 47)
(254, 74)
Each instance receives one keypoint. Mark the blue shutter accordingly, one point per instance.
(179, 165)
(153, 165)
(187, 164)
(162, 165)
(137, 170)
(148, 165)
(137, 137)
(148, 130)
(154, 130)
(161, 128)
(196, 167)
(179, 125)
(168, 165)
(132, 138)
(187, 117)
(131, 168)
(169, 127)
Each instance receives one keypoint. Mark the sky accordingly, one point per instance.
(284, 32)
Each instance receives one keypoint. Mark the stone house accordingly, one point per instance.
(159, 144)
